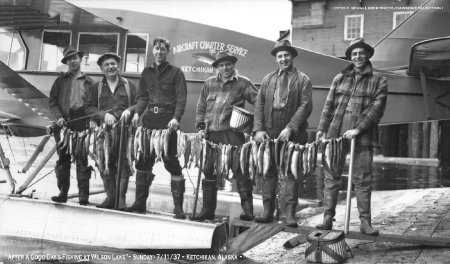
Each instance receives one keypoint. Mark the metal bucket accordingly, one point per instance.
(241, 120)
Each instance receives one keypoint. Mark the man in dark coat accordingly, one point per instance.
(282, 108)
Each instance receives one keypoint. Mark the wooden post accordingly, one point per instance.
(444, 144)
(434, 139)
(426, 126)
(414, 140)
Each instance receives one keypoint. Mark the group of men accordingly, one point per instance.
(354, 106)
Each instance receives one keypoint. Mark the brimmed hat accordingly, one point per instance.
(284, 45)
(107, 56)
(224, 55)
(359, 43)
(69, 52)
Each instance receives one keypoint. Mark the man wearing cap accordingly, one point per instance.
(218, 96)
(161, 99)
(354, 106)
(109, 100)
(66, 103)
(282, 108)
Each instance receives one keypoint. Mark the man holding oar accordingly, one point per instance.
(354, 106)
(109, 100)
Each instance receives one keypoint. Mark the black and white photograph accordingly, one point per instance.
(225, 131)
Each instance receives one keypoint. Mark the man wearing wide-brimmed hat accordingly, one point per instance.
(214, 107)
(109, 100)
(66, 103)
(354, 106)
(281, 111)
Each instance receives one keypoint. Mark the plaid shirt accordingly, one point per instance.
(370, 94)
(218, 97)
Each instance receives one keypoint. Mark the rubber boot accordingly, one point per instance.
(177, 187)
(268, 196)
(209, 201)
(83, 176)
(110, 188)
(363, 203)
(144, 180)
(123, 192)
(244, 188)
(330, 197)
(291, 196)
(62, 172)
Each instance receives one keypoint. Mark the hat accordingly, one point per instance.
(69, 52)
(224, 55)
(107, 56)
(359, 43)
(284, 45)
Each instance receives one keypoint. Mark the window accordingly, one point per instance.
(53, 45)
(136, 52)
(12, 50)
(354, 26)
(94, 45)
(399, 17)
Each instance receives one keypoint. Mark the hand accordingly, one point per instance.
(173, 124)
(285, 134)
(260, 136)
(349, 134)
(125, 115)
(109, 119)
(92, 124)
(135, 120)
(320, 135)
(201, 133)
(60, 122)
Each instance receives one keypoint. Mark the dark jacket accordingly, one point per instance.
(163, 86)
(59, 101)
(116, 103)
(298, 107)
(367, 110)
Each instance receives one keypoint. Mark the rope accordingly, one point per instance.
(39, 179)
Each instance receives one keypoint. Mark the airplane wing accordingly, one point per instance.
(427, 22)
(29, 118)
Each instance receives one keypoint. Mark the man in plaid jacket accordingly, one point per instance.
(354, 106)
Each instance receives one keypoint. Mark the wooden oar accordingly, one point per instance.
(349, 186)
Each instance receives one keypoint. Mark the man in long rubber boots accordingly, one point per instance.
(214, 107)
(66, 103)
(162, 96)
(354, 106)
(110, 100)
(281, 111)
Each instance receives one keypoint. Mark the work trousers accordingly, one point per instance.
(151, 120)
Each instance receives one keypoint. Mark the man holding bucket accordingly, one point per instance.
(281, 111)
(214, 107)
(354, 106)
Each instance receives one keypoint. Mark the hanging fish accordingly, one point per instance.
(278, 147)
(66, 141)
(282, 158)
(300, 174)
(252, 169)
(326, 157)
(289, 152)
(198, 151)
(187, 151)
(136, 143)
(107, 148)
(294, 161)
(62, 134)
(166, 141)
(100, 157)
(129, 152)
(246, 148)
(72, 144)
(236, 162)
(305, 161)
(90, 153)
(267, 158)
(204, 151)
(255, 148)
(260, 159)
(157, 145)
